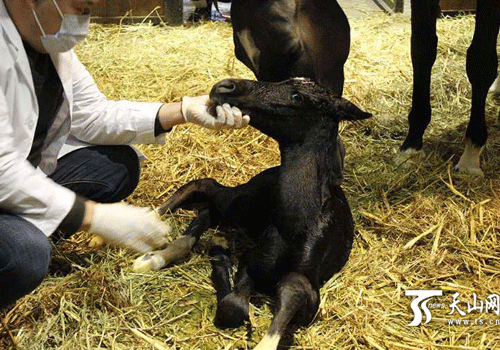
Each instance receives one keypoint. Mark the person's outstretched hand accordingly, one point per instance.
(194, 110)
(137, 228)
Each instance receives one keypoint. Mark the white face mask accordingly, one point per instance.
(74, 28)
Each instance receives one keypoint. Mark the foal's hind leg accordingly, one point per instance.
(298, 302)
(194, 194)
(177, 249)
(482, 66)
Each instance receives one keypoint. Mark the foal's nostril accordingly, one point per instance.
(226, 87)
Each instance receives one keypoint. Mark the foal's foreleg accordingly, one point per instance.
(298, 302)
(222, 271)
(232, 308)
(194, 194)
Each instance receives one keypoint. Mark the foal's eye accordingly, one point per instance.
(297, 98)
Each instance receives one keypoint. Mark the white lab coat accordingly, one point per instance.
(85, 117)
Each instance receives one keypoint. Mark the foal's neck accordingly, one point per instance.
(308, 174)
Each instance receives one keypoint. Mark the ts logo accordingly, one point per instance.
(422, 298)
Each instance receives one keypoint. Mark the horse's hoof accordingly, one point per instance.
(148, 262)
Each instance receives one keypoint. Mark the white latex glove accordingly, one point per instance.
(137, 228)
(194, 110)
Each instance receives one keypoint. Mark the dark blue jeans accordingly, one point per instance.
(102, 173)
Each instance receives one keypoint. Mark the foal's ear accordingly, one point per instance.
(345, 110)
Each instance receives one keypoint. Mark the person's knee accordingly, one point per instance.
(33, 268)
(24, 267)
(128, 168)
(101, 173)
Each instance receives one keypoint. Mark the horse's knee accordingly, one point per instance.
(296, 289)
(232, 311)
(481, 66)
(194, 194)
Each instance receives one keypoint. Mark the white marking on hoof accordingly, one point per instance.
(149, 262)
(269, 342)
(495, 88)
(405, 158)
(469, 161)
(158, 259)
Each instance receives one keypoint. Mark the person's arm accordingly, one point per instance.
(97, 120)
(170, 115)
(88, 215)
(25, 191)
(195, 110)
(30, 194)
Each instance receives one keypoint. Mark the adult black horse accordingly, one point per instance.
(482, 64)
(282, 39)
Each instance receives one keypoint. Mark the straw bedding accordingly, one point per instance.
(418, 226)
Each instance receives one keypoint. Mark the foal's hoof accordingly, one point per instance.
(148, 262)
(269, 342)
(232, 312)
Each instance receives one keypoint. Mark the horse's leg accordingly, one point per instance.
(482, 64)
(177, 249)
(423, 54)
(261, 268)
(222, 271)
(312, 258)
(298, 301)
(196, 192)
(232, 305)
